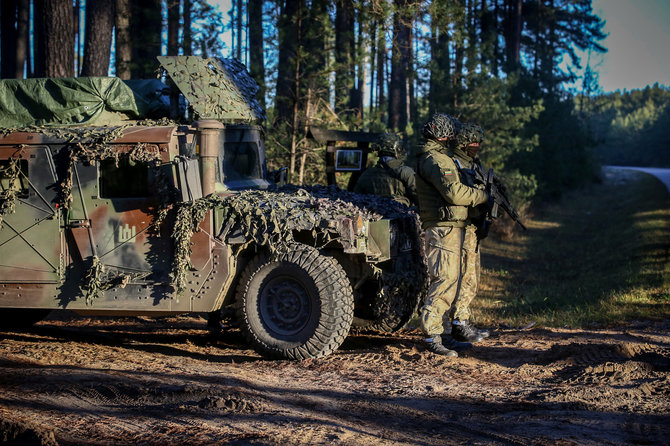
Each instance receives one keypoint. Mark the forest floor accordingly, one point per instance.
(74, 380)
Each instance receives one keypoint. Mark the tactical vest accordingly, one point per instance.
(381, 180)
(433, 209)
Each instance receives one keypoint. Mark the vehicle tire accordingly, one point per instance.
(16, 318)
(295, 305)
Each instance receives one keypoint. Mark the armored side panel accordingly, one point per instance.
(31, 243)
(48, 251)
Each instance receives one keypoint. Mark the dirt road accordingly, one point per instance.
(169, 381)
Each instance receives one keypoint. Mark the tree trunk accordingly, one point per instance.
(187, 37)
(289, 36)
(373, 56)
(513, 36)
(78, 39)
(98, 41)
(239, 30)
(22, 42)
(344, 42)
(8, 38)
(401, 54)
(56, 38)
(356, 95)
(123, 42)
(145, 32)
(408, 62)
(173, 27)
(256, 62)
(381, 68)
(440, 72)
(315, 64)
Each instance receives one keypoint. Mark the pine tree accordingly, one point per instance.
(100, 16)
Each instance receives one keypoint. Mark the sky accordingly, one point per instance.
(638, 43)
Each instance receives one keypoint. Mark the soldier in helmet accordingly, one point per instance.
(389, 177)
(447, 200)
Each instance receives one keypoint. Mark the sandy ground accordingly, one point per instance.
(72, 380)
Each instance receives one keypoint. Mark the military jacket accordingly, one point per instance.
(389, 179)
(447, 194)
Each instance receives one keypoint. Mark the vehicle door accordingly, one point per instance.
(31, 236)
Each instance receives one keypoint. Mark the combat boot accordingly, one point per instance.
(453, 344)
(463, 331)
(434, 345)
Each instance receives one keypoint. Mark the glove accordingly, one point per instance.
(489, 205)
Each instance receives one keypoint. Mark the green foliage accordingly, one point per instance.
(563, 160)
(631, 128)
(487, 103)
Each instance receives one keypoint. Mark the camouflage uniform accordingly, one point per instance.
(447, 200)
(389, 177)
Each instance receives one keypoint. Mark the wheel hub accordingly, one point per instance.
(285, 305)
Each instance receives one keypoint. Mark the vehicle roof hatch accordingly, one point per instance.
(220, 89)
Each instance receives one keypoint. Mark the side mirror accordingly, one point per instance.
(279, 176)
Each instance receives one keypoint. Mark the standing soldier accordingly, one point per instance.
(389, 177)
(447, 202)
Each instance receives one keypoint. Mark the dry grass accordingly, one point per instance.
(600, 256)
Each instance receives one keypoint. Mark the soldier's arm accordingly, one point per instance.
(406, 175)
(445, 178)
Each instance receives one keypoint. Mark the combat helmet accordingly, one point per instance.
(440, 126)
(468, 134)
(388, 144)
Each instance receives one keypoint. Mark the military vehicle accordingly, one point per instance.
(104, 211)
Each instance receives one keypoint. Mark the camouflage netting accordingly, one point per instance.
(8, 196)
(270, 218)
(219, 89)
(267, 218)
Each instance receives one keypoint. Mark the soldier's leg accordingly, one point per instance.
(470, 273)
(443, 246)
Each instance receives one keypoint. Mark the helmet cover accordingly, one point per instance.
(388, 144)
(441, 126)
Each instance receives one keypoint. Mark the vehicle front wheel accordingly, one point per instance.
(296, 304)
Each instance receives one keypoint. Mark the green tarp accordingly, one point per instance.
(66, 101)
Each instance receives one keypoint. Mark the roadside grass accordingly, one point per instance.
(601, 256)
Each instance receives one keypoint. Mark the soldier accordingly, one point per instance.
(447, 201)
(389, 177)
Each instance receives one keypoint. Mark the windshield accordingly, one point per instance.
(240, 161)
(242, 158)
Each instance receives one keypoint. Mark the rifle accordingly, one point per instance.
(498, 193)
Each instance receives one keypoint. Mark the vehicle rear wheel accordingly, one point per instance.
(295, 305)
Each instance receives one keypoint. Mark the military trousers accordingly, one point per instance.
(454, 269)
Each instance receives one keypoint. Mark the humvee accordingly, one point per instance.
(106, 212)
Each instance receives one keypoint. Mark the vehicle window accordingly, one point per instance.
(20, 178)
(127, 180)
(240, 161)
